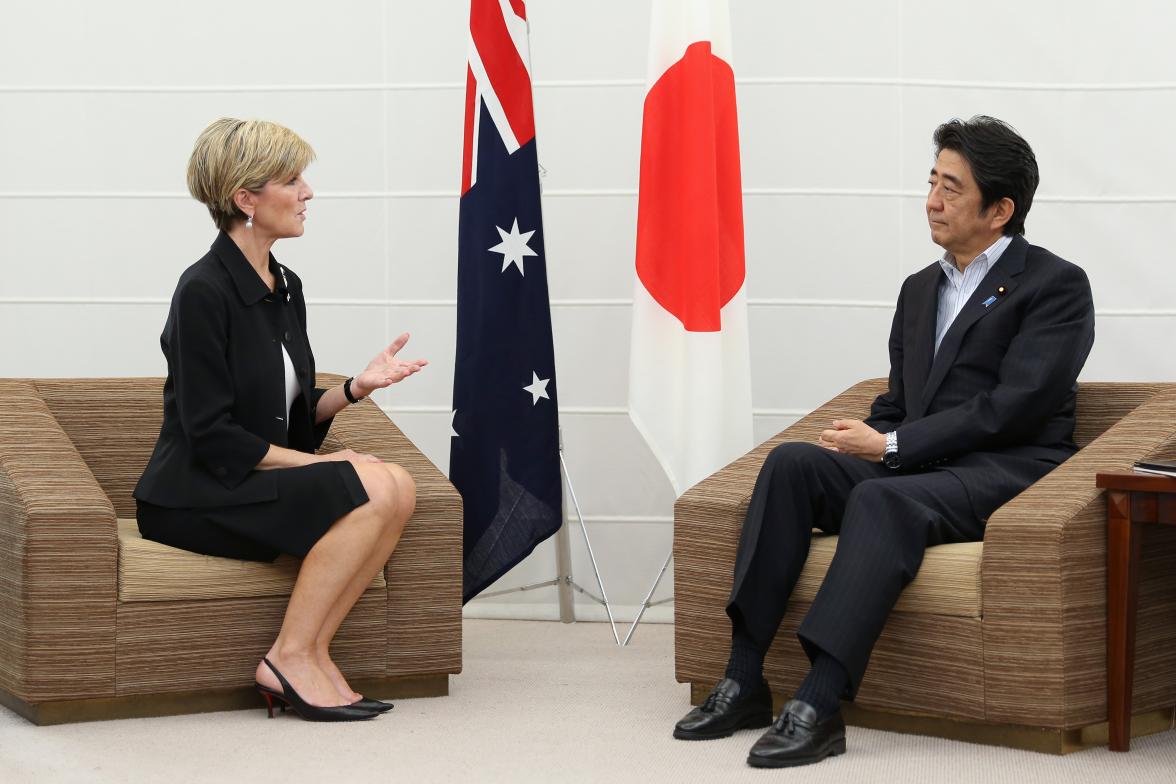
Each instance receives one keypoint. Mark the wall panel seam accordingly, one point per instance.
(759, 302)
(564, 193)
(542, 84)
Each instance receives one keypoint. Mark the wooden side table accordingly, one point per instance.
(1133, 501)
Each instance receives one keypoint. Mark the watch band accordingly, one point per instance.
(347, 391)
(890, 457)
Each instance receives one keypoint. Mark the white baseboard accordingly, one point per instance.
(549, 611)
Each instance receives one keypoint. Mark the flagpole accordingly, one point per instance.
(563, 557)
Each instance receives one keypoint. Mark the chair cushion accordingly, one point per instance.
(152, 572)
(948, 582)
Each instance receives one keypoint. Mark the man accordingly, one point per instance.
(985, 351)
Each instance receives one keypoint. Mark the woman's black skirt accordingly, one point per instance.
(310, 499)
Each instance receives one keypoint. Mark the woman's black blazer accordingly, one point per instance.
(224, 400)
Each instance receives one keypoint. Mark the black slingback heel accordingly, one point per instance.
(379, 706)
(287, 696)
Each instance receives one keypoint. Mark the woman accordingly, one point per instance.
(234, 472)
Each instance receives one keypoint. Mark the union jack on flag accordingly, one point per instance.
(505, 441)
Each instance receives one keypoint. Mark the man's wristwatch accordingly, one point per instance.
(890, 457)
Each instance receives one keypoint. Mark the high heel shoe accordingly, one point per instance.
(287, 696)
(378, 706)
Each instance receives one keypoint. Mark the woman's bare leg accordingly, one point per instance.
(406, 503)
(327, 571)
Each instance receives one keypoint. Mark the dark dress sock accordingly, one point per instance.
(746, 665)
(824, 685)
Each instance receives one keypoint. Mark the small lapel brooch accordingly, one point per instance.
(1000, 290)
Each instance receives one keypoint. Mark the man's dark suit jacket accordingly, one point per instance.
(224, 400)
(995, 405)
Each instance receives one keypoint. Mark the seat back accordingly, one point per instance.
(1103, 403)
(114, 423)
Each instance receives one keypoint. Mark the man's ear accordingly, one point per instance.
(1001, 213)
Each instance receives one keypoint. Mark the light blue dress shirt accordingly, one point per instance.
(957, 287)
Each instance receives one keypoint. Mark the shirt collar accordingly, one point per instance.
(250, 286)
(986, 259)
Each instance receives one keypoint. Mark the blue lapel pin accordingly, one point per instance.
(1000, 290)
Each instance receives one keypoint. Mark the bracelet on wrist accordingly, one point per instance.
(347, 392)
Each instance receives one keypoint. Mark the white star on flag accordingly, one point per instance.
(452, 420)
(513, 246)
(537, 387)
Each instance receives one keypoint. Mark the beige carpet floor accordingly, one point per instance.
(538, 702)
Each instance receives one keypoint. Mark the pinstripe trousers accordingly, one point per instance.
(885, 521)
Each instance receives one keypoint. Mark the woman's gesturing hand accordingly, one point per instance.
(386, 369)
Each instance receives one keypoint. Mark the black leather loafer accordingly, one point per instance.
(726, 710)
(798, 738)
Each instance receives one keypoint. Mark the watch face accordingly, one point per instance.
(890, 460)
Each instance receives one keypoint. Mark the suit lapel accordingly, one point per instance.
(992, 292)
(925, 303)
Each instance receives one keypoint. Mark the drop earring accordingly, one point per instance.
(249, 221)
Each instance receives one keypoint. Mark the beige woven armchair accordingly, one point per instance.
(96, 622)
(1002, 641)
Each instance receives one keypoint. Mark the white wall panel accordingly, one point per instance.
(141, 141)
(837, 103)
(612, 468)
(424, 140)
(81, 340)
(591, 244)
(1044, 41)
(99, 247)
(801, 357)
(1122, 247)
(344, 339)
(1005, 41)
(341, 254)
(1119, 143)
(829, 136)
(916, 250)
(589, 137)
(432, 331)
(427, 42)
(821, 247)
(592, 355)
(140, 42)
(1132, 348)
(815, 40)
(422, 248)
(601, 40)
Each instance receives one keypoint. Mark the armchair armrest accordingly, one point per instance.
(1044, 577)
(58, 559)
(707, 521)
(424, 575)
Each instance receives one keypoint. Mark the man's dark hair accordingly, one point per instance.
(1002, 163)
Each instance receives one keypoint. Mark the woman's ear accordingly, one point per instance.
(245, 200)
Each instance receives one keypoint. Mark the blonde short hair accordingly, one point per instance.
(232, 154)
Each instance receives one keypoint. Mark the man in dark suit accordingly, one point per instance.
(985, 351)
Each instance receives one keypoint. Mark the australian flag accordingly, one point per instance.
(505, 441)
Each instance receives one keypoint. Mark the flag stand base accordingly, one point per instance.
(645, 603)
(563, 558)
